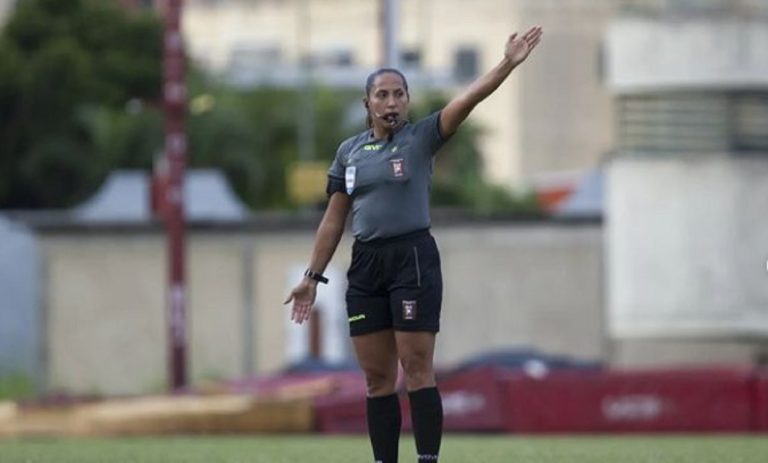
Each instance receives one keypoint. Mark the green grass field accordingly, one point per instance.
(456, 449)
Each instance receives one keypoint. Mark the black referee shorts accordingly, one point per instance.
(395, 283)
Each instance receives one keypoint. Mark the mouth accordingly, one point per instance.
(391, 118)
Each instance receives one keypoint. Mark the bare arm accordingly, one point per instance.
(329, 232)
(326, 240)
(515, 52)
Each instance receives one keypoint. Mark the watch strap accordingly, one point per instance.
(315, 276)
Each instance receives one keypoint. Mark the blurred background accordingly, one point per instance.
(605, 209)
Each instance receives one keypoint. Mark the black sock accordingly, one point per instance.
(427, 418)
(384, 427)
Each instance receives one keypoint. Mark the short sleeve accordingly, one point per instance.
(336, 171)
(428, 131)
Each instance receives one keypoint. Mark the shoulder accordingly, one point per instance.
(429, 121)
(431, 117)
(348, 144)
(428, 126)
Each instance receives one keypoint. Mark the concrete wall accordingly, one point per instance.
(566, 109)
(106, 310)
(20, 317)
(686, 246)
(522, 285)
(105, 313)
(506, 285)
(655, 352)
(734, 46)
(686, 231)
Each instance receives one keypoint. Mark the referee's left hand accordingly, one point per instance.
(303, 297)
(518, 47)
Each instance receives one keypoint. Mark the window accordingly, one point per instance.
(333, 57)
(694, 122)
(750, 122)
(410, 59)
(465, 64)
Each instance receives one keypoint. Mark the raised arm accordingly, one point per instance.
(327, 238)
(515, 52)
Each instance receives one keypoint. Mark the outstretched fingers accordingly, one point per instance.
(300, 312)
(533, 36)
(306, 310)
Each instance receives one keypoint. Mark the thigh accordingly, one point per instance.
(415, 344)
(377, 356)
(416, 351)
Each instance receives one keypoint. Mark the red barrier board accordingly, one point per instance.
(341, 414)
(626, 401)
(760, 409)
(471, 401)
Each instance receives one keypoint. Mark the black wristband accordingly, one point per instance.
(315, 276)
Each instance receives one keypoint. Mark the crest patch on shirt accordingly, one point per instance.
(409, 310)
(397, 167)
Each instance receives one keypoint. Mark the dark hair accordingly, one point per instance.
(369, 85)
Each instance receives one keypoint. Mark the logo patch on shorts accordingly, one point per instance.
(397, 167)
(357, 318)
(409, 310)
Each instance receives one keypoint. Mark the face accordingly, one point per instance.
(387, 101)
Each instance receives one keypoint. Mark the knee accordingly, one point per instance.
(380, 382)
(418, 371)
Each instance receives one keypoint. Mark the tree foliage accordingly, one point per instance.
(61, 63)
(80, 87)
(459, 179)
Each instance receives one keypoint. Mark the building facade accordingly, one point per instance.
(686, 224)
(551, 116)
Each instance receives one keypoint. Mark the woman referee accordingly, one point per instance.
(395, 285)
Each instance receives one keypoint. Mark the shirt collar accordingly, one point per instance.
(372, 137)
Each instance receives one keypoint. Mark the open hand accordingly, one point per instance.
(518, 48)
(303, 297)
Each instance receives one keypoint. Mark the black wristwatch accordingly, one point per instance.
(316, 276)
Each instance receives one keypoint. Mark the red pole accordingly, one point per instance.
(174, 95)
